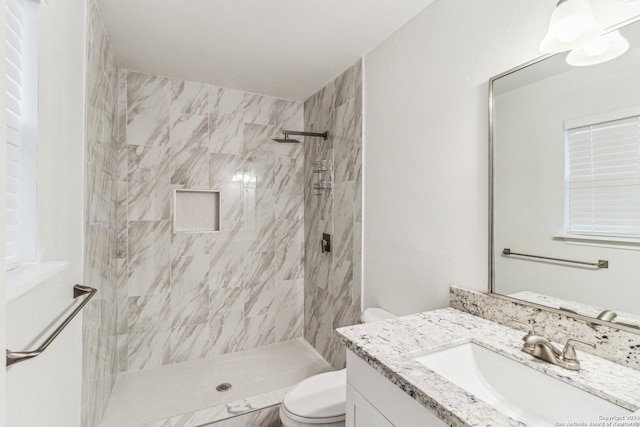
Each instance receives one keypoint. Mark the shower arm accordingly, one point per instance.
(324, 135)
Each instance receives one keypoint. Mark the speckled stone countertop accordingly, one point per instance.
(390, 347)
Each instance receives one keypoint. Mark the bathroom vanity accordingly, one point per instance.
(374, 401)
(391, 382)
(564, 241)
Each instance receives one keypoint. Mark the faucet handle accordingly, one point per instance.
(530, 328)
(529, 339)
(569, 353)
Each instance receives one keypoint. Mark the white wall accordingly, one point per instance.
(46, 391)
(426, 146)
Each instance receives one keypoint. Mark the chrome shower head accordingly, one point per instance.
(286, 139)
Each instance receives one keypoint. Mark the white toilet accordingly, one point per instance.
(320, 400)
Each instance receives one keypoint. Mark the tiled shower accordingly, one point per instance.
(333, 282)
(193, 295)
(167, 297)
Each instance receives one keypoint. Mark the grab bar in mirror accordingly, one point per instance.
(602, 263)
(19, 356)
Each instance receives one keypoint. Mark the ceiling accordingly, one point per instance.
(283, 48)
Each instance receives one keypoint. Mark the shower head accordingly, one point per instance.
(286, 133)
(285, 139)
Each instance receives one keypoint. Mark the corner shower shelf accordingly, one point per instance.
(324, 180)
(322, 185)
(320, 166)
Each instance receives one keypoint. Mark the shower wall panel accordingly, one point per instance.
(101, 266)
(332, 283)
(185, 296)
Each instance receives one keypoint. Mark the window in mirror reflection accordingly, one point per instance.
(603, 176)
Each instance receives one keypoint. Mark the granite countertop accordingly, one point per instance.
(390, 347)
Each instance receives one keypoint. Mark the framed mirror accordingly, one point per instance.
(565, 186)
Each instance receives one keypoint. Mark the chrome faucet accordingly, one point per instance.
(543, 349)
(607, 315)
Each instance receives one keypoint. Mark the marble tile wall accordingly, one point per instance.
(187, 296)
(101, 267)
(332, 282)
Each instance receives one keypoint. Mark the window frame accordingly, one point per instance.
(590, 126)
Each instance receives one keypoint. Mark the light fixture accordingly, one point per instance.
(571, 25)
(602, 49)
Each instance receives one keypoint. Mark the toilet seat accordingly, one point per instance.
(318, 399)
(289, 419)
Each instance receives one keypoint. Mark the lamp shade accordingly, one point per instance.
(604, 48)
(572, 24)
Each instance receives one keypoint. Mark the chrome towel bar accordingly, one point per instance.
(602, 263)
(19, 356)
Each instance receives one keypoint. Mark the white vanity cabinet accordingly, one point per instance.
(374, 401)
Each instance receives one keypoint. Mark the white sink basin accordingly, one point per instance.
(517, 390)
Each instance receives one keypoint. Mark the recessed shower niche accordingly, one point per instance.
(196, 211)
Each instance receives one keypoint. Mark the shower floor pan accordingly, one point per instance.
(185, 394)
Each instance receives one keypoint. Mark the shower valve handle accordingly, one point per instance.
(325, 243)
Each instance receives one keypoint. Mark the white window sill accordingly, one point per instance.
(27, 277)
(600, 241)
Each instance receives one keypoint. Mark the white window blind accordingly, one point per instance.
(603, 178)
(14, 77)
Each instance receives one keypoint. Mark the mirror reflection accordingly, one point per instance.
(566, 184)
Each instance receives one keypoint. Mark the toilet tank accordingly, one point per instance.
(374, 314)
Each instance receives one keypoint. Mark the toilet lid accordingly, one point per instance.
(321, 396)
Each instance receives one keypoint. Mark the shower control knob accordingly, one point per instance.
(325, 243)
